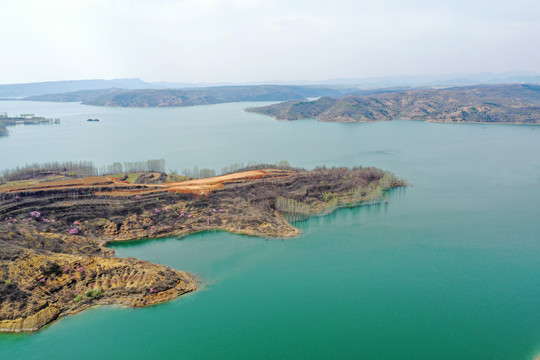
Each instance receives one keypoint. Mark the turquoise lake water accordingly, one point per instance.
(448, 269)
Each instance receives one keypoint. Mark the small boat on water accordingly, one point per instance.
(92, 120)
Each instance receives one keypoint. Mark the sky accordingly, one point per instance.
(263, 40)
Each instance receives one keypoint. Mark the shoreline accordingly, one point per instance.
(55, 233)
(51, 316)
(396, 119)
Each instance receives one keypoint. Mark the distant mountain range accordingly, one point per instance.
(511, 103)
(403, 82)
(456, 79)
(53, 87)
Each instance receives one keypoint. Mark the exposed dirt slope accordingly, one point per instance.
(38, 287)
(53, 259)
(112, 186)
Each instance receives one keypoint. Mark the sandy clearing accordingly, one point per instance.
(122, 188)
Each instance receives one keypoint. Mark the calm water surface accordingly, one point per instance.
(448, 269)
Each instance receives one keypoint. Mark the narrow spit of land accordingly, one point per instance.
(28, 119)
(53, 231)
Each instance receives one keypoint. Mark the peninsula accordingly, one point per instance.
(114, 97)
(503, 104)
(54, 230)
(26, 119)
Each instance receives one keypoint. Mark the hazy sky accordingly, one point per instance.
(259, 40)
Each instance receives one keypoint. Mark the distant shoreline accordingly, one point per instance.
(498, 104)
(6, 121)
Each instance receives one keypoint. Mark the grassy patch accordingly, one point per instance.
(18, 182)
(131, 177)
(93, 292)
(89, 294)
(176, 178)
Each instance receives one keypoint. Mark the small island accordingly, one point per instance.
(55, 226)
(490, 104)
(26, 119)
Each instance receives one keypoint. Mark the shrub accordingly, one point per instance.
(93, 292)
(51, 268)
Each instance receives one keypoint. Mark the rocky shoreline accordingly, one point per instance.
(53, 234)
(84, 282)
(488, 104)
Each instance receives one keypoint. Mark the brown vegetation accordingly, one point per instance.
(53, 259)
(512, 103)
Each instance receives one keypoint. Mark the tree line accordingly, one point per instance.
(157, 165)
(80, 169)
(87, 168)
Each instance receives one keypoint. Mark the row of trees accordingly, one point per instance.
(197, 173)
(5, 120)
(80, 169)
(293, 210)
(157, 165)
(254, 165)
(87, 168)
(29, 171)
